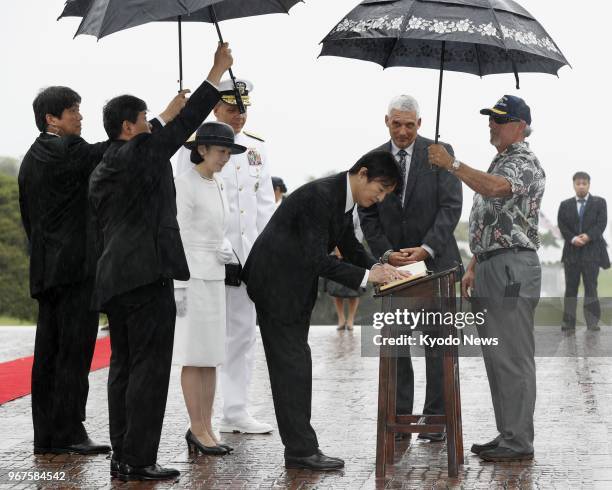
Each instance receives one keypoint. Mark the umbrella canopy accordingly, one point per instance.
(481, 37)
(104, 17)
(237, 9)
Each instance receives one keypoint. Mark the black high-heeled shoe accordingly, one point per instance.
(194, 445)
(227, 447)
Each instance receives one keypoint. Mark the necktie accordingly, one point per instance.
(580, 213)
(402, 164)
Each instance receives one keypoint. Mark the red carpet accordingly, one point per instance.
(15, 376)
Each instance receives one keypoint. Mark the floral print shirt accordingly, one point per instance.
(505, 222)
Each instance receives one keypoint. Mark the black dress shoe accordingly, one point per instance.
(478, 448)
(403, 436)
(316, 462)
(194, 445)
(152, 472)
(86, 447)
(115, 466)
(42, 450)
(504, 454)
(433, 436)
(567, 328)
(593, 328)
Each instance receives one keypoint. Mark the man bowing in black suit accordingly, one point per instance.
(582, 220)
(415, 223)
(133, 196)
(282, 274)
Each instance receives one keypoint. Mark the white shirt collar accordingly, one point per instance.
(52, 134)
(395, 149)
(350, 203)
(586, 198)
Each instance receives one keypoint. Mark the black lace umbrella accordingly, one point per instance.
(104, 17)
(481, 37)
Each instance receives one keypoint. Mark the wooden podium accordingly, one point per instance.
(435, 292)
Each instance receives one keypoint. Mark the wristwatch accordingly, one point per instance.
(454, 166)
(384, 259)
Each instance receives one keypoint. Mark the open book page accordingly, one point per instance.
(418, 270)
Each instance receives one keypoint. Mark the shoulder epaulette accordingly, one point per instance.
(254, 136)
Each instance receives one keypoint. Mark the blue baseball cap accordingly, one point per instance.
(510, 106)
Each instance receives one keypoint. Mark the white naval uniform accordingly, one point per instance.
(248, 186)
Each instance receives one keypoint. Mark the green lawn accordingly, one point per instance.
(7, 320)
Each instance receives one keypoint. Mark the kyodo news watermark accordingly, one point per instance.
(430, 324)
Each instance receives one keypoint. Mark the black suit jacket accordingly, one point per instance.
(594, 222)
(54, 210)
(431, 212)
(293, 250)
(133, 195)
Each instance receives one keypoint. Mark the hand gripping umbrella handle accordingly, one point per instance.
(239, 103)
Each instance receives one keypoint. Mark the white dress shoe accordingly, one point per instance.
(246, 425)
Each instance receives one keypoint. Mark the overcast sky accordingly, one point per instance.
(318, 115)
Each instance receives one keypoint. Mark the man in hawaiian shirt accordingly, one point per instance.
(504, 275)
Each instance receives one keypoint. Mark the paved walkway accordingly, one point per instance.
(573, 432)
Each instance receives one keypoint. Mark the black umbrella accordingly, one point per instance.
(237, 9)
(104, 17)
(481, 37)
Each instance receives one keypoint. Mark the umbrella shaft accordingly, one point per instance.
(239, 103)
(440, 91)
(180, 47)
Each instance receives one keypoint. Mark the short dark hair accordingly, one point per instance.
(381, 165)
(195, 156)
(581, 176)
(53, 100)
(119, 109)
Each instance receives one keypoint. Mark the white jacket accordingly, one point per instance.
(202, 211)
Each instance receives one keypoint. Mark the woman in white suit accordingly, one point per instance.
(199, 341)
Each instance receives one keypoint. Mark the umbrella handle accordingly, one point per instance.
(239, 102)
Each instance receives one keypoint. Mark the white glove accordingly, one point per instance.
(225, 254)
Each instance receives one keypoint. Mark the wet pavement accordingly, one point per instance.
(573, 447)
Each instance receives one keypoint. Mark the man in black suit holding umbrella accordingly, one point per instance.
(582, 220)
(132, 193)
(53, 180)
(282, 274)
(415, 223)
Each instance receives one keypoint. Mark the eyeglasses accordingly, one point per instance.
(503, 119)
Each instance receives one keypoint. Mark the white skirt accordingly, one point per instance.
(199, 336)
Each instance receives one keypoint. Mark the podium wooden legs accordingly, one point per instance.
(389, 423)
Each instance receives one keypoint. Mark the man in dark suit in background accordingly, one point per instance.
(53, 202)
(282, 274)
(582, 220)
(415, 223)
(133, 196)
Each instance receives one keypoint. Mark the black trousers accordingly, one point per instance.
(65, 339)
(434, 388)
(141, 325)
(290, 368)
(592, 311)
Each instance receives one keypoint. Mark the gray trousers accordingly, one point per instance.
(510, 364)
